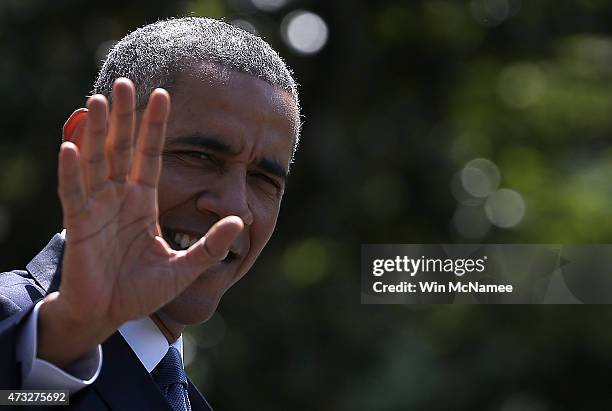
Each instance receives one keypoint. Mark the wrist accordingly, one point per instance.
(63, 335)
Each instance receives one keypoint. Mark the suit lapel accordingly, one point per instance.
(123, 382)
(46, 267)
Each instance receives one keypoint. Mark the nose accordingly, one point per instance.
(228, 195)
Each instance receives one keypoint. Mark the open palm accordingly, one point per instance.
(116, 265)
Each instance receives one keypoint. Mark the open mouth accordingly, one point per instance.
(181, 241)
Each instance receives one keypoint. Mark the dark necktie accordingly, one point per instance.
(172, 381)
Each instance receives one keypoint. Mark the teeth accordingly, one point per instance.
(183, 240)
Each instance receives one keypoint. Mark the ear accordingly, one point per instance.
(74, 126)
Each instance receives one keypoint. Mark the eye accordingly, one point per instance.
(198, 158)
(197, 155)
(267, 179)
(192, 159)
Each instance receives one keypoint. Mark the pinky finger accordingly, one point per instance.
(71, 190)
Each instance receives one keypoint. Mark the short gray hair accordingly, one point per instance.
(152, 56)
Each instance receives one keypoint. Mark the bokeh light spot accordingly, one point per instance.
(505, 208)
(304, 31)
(520, 85)
(269, 5)
(306, 262)
(480, 177)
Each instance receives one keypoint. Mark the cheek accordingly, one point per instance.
(259, 233)
(263, 226)
(168, 191)
(175, 187)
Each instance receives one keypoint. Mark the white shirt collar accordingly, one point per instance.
(148, 342)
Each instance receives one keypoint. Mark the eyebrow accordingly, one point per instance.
(273, 167)
(215, 144)
(209, 142)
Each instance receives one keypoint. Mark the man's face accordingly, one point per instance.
(228, 146)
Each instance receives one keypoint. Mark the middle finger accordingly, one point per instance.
(121, 129)
(93, 158)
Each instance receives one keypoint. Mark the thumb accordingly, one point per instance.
(211, 248)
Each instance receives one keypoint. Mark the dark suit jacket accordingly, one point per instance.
(123, 383)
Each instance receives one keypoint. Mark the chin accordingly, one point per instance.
(198, 302)
(191, 308)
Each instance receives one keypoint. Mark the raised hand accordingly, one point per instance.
(116, 265)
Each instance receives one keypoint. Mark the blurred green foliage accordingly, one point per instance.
(401, 97)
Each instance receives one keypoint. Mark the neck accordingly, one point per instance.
(169, 328)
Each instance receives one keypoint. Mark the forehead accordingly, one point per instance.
(213, 100)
